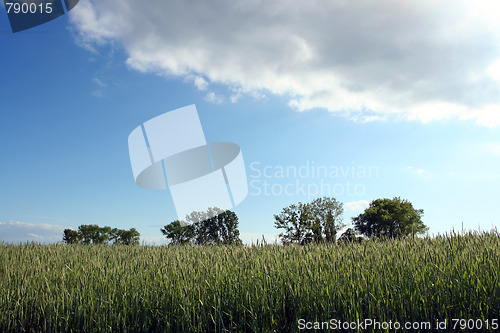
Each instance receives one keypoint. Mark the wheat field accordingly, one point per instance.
(263, 288)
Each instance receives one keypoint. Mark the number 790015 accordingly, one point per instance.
(28, 8)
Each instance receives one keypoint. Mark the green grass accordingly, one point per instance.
(256, 288)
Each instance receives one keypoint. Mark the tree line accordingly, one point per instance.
(318, 221)
(94, 234)
(314, 222)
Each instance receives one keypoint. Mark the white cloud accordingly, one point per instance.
(237, 94)
(200, 83)
(212, 97)
(99, 82)
(365, 60)
(99, 91)
(16, 232)
(355, 206)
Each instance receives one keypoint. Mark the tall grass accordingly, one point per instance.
(257, 288)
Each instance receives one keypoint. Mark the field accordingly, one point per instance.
(255, 288)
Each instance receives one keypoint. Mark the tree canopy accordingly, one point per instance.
(94, 234)
(178, 232)
(390, 218)
(349, 236)
(317, 221)
(212, 227)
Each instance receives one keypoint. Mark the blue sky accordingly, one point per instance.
(416, 99)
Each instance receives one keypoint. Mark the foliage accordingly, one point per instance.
(125, 237)
(93, 234)
(212, 227)
(71, 236)
(350, 236)
(178, 233)
(296, 220)
(317, 221)
(390, 218)
(56, 288)
(328, 212)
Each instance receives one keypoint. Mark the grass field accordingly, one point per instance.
(255, 288)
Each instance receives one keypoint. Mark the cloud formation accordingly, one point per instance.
(19, 232)
(365, 60)
(355, 206)
(212, 97)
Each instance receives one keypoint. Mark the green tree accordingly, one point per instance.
(128, 237)
(390, 218)
(205, 226)
(71, 236)
(317, 221)
(178, 233)
(296, 220)
(93, 234)
(328, 215)
(212, 227)
(227, 222)
(350, 236)
(114, 235)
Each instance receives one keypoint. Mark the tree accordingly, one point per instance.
(126, 237)
(350, 236)
(328, 212)
(228, 228)
(93, 234)
(71, 236)
(296, 220)
(390, 218)
(317, 221)
(178, 233)
(212, 227)
(206, 229)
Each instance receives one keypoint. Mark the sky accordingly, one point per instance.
(392, 98)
